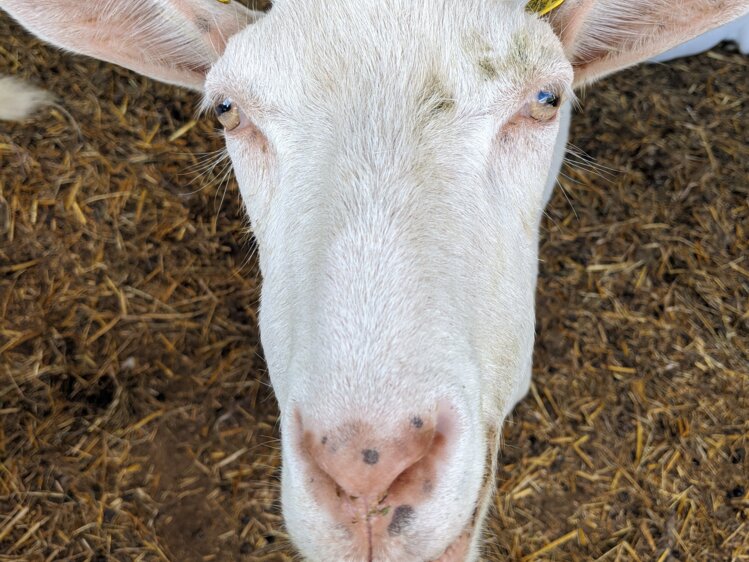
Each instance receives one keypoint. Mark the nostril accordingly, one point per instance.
(402, 517)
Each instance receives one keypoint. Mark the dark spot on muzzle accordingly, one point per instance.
(417, 422)
(402, 517)
(324, 440)
(370, 456)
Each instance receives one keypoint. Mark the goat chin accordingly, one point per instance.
(20, 100)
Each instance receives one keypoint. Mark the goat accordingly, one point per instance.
(395, 159)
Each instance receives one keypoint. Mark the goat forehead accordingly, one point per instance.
(321, 51)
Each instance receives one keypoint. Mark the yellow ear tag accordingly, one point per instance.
(543, 7)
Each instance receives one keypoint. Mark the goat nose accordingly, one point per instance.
(364, 466)
(354, 472)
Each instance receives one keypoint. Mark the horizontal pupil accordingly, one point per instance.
(223, 107)
(547, 98)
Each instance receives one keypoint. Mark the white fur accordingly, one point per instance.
(395, 184)
(171, 40)
(20, 100)
(736, 31)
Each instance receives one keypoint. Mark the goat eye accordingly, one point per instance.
(545, 106)
(228, 115)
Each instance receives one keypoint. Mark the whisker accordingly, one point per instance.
(204, 170)
(566, 196)
(227, 173)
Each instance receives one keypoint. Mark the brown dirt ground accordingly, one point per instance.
(137, 422)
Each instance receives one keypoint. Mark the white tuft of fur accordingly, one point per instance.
(19, 100)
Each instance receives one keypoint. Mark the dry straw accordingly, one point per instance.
(136, 419)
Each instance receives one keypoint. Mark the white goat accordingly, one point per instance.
(393, 157)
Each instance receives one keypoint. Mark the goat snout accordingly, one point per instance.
(373, 484)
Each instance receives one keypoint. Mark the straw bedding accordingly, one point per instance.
(136, 417)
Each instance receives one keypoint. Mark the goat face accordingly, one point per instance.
(393, 166)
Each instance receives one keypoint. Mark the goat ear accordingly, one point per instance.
(174, 41)
(603, 36)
